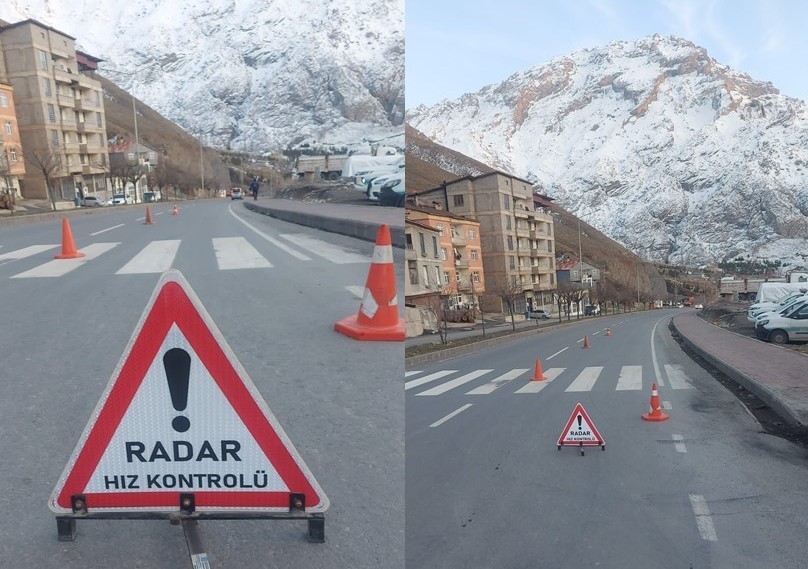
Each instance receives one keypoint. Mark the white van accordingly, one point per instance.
(760, 307)
(787, 307)
(783, 328)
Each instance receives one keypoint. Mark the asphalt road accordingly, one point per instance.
(338, 400)
(486, 485)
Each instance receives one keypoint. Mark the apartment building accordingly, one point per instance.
(460, 252)
(424, 281)
(516, 236)
(130, 165)
(60, 111)
(12, 165)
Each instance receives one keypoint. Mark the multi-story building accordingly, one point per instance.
(423, 284)
(130, 165)
(12, 165)
(60, 110)
(516, 237)
(463, 276)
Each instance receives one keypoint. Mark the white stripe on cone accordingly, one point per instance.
(383, 254)
(369, 306)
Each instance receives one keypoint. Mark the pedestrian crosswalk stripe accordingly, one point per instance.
(676, 377)
(427, 378)
(586, 379)
(457, 382)
(279, 244)
(25, 252)
(324, 249)
(60, 267)
(411, 373)
(156, 257)
(237, 253)
(536, 386)
(630, 378)
(487, 388)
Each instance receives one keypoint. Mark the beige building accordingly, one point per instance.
(60, 110)
(12, 165)
(424, 281)
(517, 237)
(460, 251)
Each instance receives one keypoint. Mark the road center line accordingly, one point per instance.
(439, 422)
(679, 444)
(703, 519)
(558, 352)
(108, 229)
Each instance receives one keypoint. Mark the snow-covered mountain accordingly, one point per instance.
(654, 143)
(248, 74)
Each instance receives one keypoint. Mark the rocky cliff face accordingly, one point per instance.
(654, 143)
(250, 75)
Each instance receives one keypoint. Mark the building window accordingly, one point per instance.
(474, 254)
(506, 201)
(98, 120)
(457, 277)
(3, 100)
(510, 242)
(446, 277)
(130, 157)
(439, 227)
(9, 128)
(51, 113)
(426, 276)
(98, 98)
(46, 84)
(472, 233)
(512, 262)
(475, 276)
(423, 244)
(13, 154)
(54, 138)
(413, 270)
(458, 199)
(435, 245)
(443, 253)
(43, 60)
(508, 222)
(437, 275)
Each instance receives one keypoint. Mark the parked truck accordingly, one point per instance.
(327, 166)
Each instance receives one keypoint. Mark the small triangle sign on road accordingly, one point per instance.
(580, 431)
(180, 415)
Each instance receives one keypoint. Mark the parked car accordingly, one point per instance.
(537, 313)
(150, 197)
(392, 192)
(120, 199)
(698, 306)
(781, 328)
(591, 310)
(92, 201)
(375, 185)
(236, 194)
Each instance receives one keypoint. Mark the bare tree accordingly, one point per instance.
(7, 199)
(48, 163)
(509, 291)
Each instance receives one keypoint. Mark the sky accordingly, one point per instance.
(455, 47)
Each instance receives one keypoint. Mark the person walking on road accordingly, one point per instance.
(254, 187)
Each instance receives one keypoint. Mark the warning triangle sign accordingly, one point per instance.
(181, 415)
(580, 430)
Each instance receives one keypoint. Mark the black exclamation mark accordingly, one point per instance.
(579, 422)
(178, 370)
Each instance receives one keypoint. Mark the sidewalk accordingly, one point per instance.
(777, 375)
(359, 221)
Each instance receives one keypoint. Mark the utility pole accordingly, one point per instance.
(137, 139)
(202, 166)
(638, 279)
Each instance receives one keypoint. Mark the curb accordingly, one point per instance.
(365, 230)
(768, 396)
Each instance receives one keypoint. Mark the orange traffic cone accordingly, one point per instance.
(378, 317)
(608, 331)
(538, 374)
(175, 211)
(68, 245)
(586, 342)
(148, 217)
(655, 412)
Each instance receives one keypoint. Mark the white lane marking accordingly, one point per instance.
(536, 386)
(489, 387)
(667, 405)
(237, 253)
(558, 352)
(679, 444)
(26, 252)
(156, 257)
(427, 378)
(279, 244)
(586, 379)
(357, 291)
(60, 267)
(329, 251)
(411, 373)
(107, 229)
(457, 382)
(630, 378)
(439, 422)
(657, 376)
(596, 333)
(703, 519)
(676, 377)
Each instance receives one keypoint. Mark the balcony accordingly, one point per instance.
(63, 76)
(410, 254)
(534, 253)
(65, 100)
(521, 213)
(458, 241)
(462, 263)
(523, 232)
